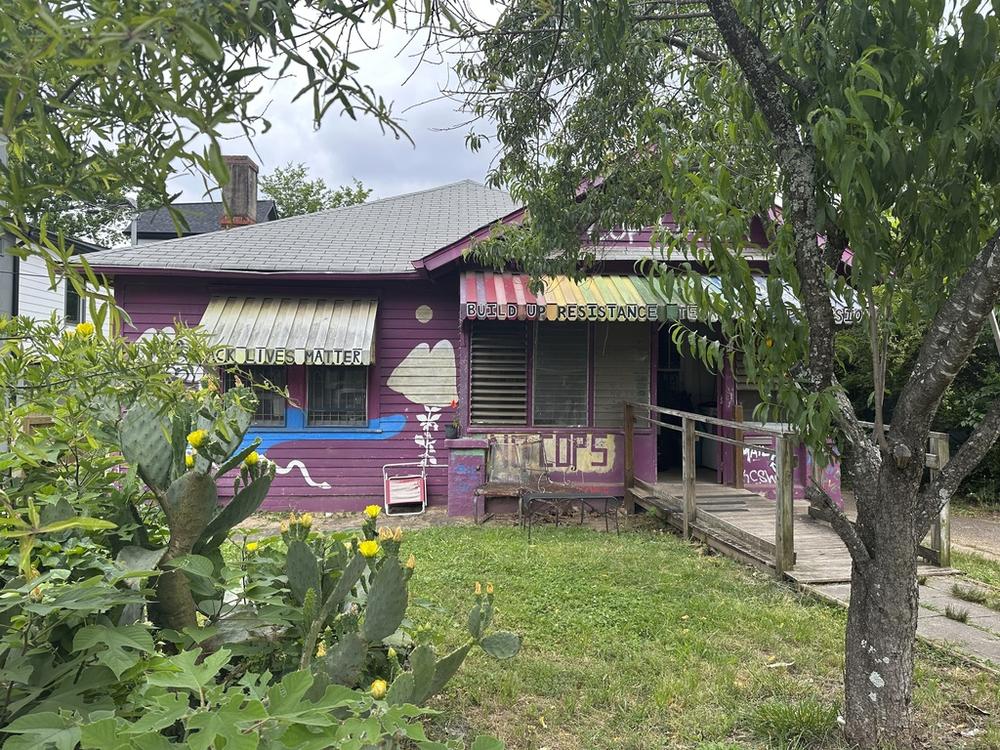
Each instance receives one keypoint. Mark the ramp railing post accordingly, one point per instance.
(784, 520)
(688, 470)
(738, 436)
(941, 530)
(629, 458)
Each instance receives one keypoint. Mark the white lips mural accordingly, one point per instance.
(427, 375)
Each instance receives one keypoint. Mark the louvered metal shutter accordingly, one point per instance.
(559, 395)
(621, 370)
(498, 368)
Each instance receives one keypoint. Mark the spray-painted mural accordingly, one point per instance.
(571, 452)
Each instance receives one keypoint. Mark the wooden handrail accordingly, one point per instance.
(760, 427)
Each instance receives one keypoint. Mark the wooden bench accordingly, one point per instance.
(518, 470)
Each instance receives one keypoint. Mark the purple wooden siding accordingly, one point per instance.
(344, 465)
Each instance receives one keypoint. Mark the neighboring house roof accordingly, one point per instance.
(201, 218)
(380, 237)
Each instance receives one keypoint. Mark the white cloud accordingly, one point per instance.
(342, 149)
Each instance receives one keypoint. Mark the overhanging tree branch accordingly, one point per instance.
(947, 345)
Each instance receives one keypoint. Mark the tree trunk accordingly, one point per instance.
(882, 621)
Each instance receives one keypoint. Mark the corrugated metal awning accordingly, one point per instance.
(620, 299)
(287, 331)
(617, 299)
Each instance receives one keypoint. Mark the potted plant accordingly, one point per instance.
(451, 429)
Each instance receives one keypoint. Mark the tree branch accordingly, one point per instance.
(796, 162)
(840, 523)
(946, 346)
(967, 458)
(693, 49)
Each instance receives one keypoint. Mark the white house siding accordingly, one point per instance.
(37, 298)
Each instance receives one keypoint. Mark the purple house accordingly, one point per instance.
(384, 333)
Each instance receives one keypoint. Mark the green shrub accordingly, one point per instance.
(124, 624)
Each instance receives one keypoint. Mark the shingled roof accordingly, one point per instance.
(201, 217)
(382, 236)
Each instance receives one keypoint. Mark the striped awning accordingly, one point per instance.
(292, 331)
(617, 299)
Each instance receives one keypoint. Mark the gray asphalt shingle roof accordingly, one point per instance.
(382, 236)
(201, 217)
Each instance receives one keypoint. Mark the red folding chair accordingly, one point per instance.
(405, 490)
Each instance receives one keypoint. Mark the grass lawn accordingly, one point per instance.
(639, 642)
(978, 567)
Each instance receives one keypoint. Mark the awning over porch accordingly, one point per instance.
(292, 331)
(614, 299)
(622, 299)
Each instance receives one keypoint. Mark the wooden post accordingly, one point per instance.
(941, 530)
(629, 458)
(738, 436)
(784, 520)
(689, 470)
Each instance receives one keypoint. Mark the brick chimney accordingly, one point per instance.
(239, 195)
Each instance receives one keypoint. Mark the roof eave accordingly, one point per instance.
(439, 259)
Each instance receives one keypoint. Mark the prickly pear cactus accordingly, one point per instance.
(145, 445)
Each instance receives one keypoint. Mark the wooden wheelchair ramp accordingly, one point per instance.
(779, 535)
(741, 524)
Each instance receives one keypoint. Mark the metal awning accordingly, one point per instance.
(614, 299)
(292, 331)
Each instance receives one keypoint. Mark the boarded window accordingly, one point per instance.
(498, 367)
(560, 374)
(338, 396)
(265, 380)
(621, 370)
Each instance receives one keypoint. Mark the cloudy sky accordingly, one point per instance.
(342, 149)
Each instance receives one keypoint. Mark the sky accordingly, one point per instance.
(343, 149)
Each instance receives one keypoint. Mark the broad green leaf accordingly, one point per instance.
(121, 647)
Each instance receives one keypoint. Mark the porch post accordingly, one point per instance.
(784, 520)
(688, 471)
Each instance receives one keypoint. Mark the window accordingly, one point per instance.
(560, 374)
(263, 379)
(73, 309)
(572, 365)
(338, 396)
(621, 370)
(498, 368)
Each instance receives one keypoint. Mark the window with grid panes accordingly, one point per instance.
(337, 396)
(263, 379)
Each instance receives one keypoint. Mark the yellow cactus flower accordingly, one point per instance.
(189, 460)
(320, 650)
(479, 588)
(397, 535)
(411, 562)
(284, 527)
(385, 534)
(378, 689)
(252, 458)
(197, 438)
(252, 546)
(489, 588)
(85, 329)
(368, 548)
(372, 511)
(306, 520)
(391, 653)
